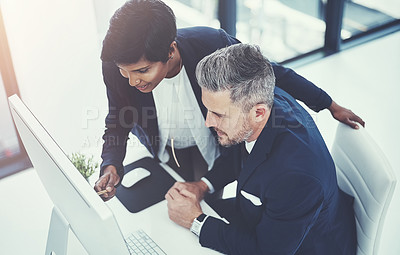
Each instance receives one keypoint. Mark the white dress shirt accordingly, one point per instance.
(179, 117)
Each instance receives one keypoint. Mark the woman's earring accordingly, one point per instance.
(172, 56)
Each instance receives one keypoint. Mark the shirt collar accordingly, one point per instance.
(249, 145)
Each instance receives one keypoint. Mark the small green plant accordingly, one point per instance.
(84, 164)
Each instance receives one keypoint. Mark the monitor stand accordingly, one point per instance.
(57, 239)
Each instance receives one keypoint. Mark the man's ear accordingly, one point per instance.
(172, 48)
(260, 112)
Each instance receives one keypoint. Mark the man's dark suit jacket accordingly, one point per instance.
(287, 199)
(132, 110)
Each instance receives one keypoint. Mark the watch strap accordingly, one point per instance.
(198, 224)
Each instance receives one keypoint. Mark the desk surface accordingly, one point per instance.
(28, 212)
(172, 238)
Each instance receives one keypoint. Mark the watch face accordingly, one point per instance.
(201, 217)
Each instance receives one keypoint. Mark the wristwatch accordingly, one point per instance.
(198, 223)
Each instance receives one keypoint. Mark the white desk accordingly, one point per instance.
(172, 238)
(26, 210)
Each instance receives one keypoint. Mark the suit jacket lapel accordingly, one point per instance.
(190, 58)
(261, 148)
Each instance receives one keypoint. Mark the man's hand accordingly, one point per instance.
(199, 188)
(183, 207)
(107, 181)
(345, 115)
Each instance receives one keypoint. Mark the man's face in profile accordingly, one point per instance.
(227, 119)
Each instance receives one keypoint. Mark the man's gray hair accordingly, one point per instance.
(241, 69)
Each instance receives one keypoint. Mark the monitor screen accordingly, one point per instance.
(82, 210)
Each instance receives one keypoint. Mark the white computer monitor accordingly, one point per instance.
(76, 204)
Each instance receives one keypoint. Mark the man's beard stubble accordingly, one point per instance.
(244, 134)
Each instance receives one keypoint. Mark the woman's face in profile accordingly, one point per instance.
(144, 75)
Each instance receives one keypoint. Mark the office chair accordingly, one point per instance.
(364, 172)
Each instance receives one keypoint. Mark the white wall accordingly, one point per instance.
(55, 50)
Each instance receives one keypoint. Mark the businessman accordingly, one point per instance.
(287, 199)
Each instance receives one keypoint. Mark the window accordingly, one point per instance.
(292, 29)
(194, 13)
(363, 15)
(284, 29)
